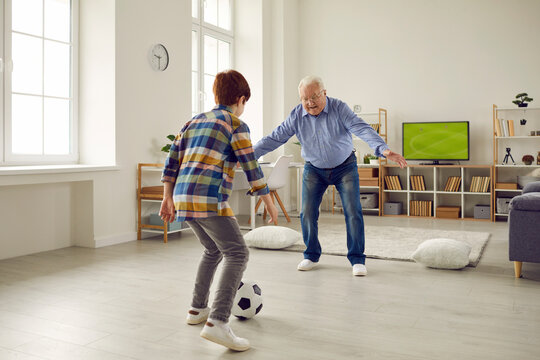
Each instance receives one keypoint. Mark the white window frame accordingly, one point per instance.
(203, 28)
(6, 155)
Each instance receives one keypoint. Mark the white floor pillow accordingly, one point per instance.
(442, 254)
(272, 237)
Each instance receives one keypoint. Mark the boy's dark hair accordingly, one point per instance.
(230, 86)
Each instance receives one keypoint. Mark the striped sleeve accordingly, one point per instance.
(243, 150)
(174, 159)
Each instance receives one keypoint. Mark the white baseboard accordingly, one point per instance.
(115, 239)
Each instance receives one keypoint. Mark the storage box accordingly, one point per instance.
(448, 212)
(369, 200)
(482, 212)
(392, 208)
(508, 186)
(369, 181)
(156, 220)
(368, 172)
(503, 204)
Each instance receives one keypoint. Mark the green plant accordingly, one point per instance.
(527, 159)
(368, 157)
(523, 99)
(167, 147)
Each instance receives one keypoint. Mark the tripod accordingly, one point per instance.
(505, 160)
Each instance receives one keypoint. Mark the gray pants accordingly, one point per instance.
(221, 237)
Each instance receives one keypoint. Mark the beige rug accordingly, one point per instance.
(394, 243)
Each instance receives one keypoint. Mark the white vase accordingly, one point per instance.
(374, 161)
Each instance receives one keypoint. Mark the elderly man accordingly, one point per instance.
(324, 126)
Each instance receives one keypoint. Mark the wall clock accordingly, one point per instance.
(159, 57)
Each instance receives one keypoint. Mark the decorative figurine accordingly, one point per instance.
(505, 160)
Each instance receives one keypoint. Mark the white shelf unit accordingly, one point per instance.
(520, 144)
(435, 178)
(364, 189)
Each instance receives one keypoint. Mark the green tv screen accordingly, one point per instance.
(436, 140)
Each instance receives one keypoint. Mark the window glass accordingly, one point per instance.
(57, 20)
(194, 51)
(56, 126)
(211, 12)
(209, 102)
(57, 69)
(194, 93)
(210, 55)
(26, 132)
(224, 62)
(27, 53)
(29, 22)
(195, 8)
(224, 14)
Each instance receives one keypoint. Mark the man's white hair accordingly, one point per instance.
(311, 79)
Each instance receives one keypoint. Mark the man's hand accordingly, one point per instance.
(395, 157)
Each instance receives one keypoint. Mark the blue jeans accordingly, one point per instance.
(314, 183)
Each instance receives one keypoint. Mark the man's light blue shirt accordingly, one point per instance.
(326, 138)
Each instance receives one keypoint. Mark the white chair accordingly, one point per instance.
(278, 178)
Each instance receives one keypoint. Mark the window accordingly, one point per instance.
(212, 41)
(38, 78)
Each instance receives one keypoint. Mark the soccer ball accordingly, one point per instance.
(248, 300)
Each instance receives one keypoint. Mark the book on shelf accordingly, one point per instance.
(375, 127)
(510, 127)
(421, 208)
(504, 127)
(392, 182)
(457, 183)
(417, 183)
(480, 184)
(452, 183)
(498, 128)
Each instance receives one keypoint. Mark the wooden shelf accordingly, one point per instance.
(435, 179)
(150, 194)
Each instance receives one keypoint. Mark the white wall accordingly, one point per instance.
(126, 111)
(422, 60)
(425, 60)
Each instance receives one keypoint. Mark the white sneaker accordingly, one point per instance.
(359, 270)
(222, 334)
(306, 265)
(196, 316)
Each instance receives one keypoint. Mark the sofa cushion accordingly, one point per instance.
(532, 187)
(526, 202)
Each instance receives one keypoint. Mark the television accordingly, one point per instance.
(436, 141)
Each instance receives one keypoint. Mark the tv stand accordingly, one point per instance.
(422, 189)
(436, 162)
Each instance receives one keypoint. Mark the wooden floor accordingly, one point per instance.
(129, 302)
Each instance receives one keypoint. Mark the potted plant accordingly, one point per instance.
(527, 159)
(523, 99)
(167, 147)
(366, 158)
(373, 160)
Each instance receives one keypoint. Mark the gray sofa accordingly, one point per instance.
(524, 227)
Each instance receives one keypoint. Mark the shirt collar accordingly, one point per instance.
(325, 110)
(223, 107)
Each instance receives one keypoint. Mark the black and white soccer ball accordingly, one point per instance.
(248, 301)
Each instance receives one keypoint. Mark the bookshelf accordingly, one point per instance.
(509, 131)
(421, 189)
(369, 174)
